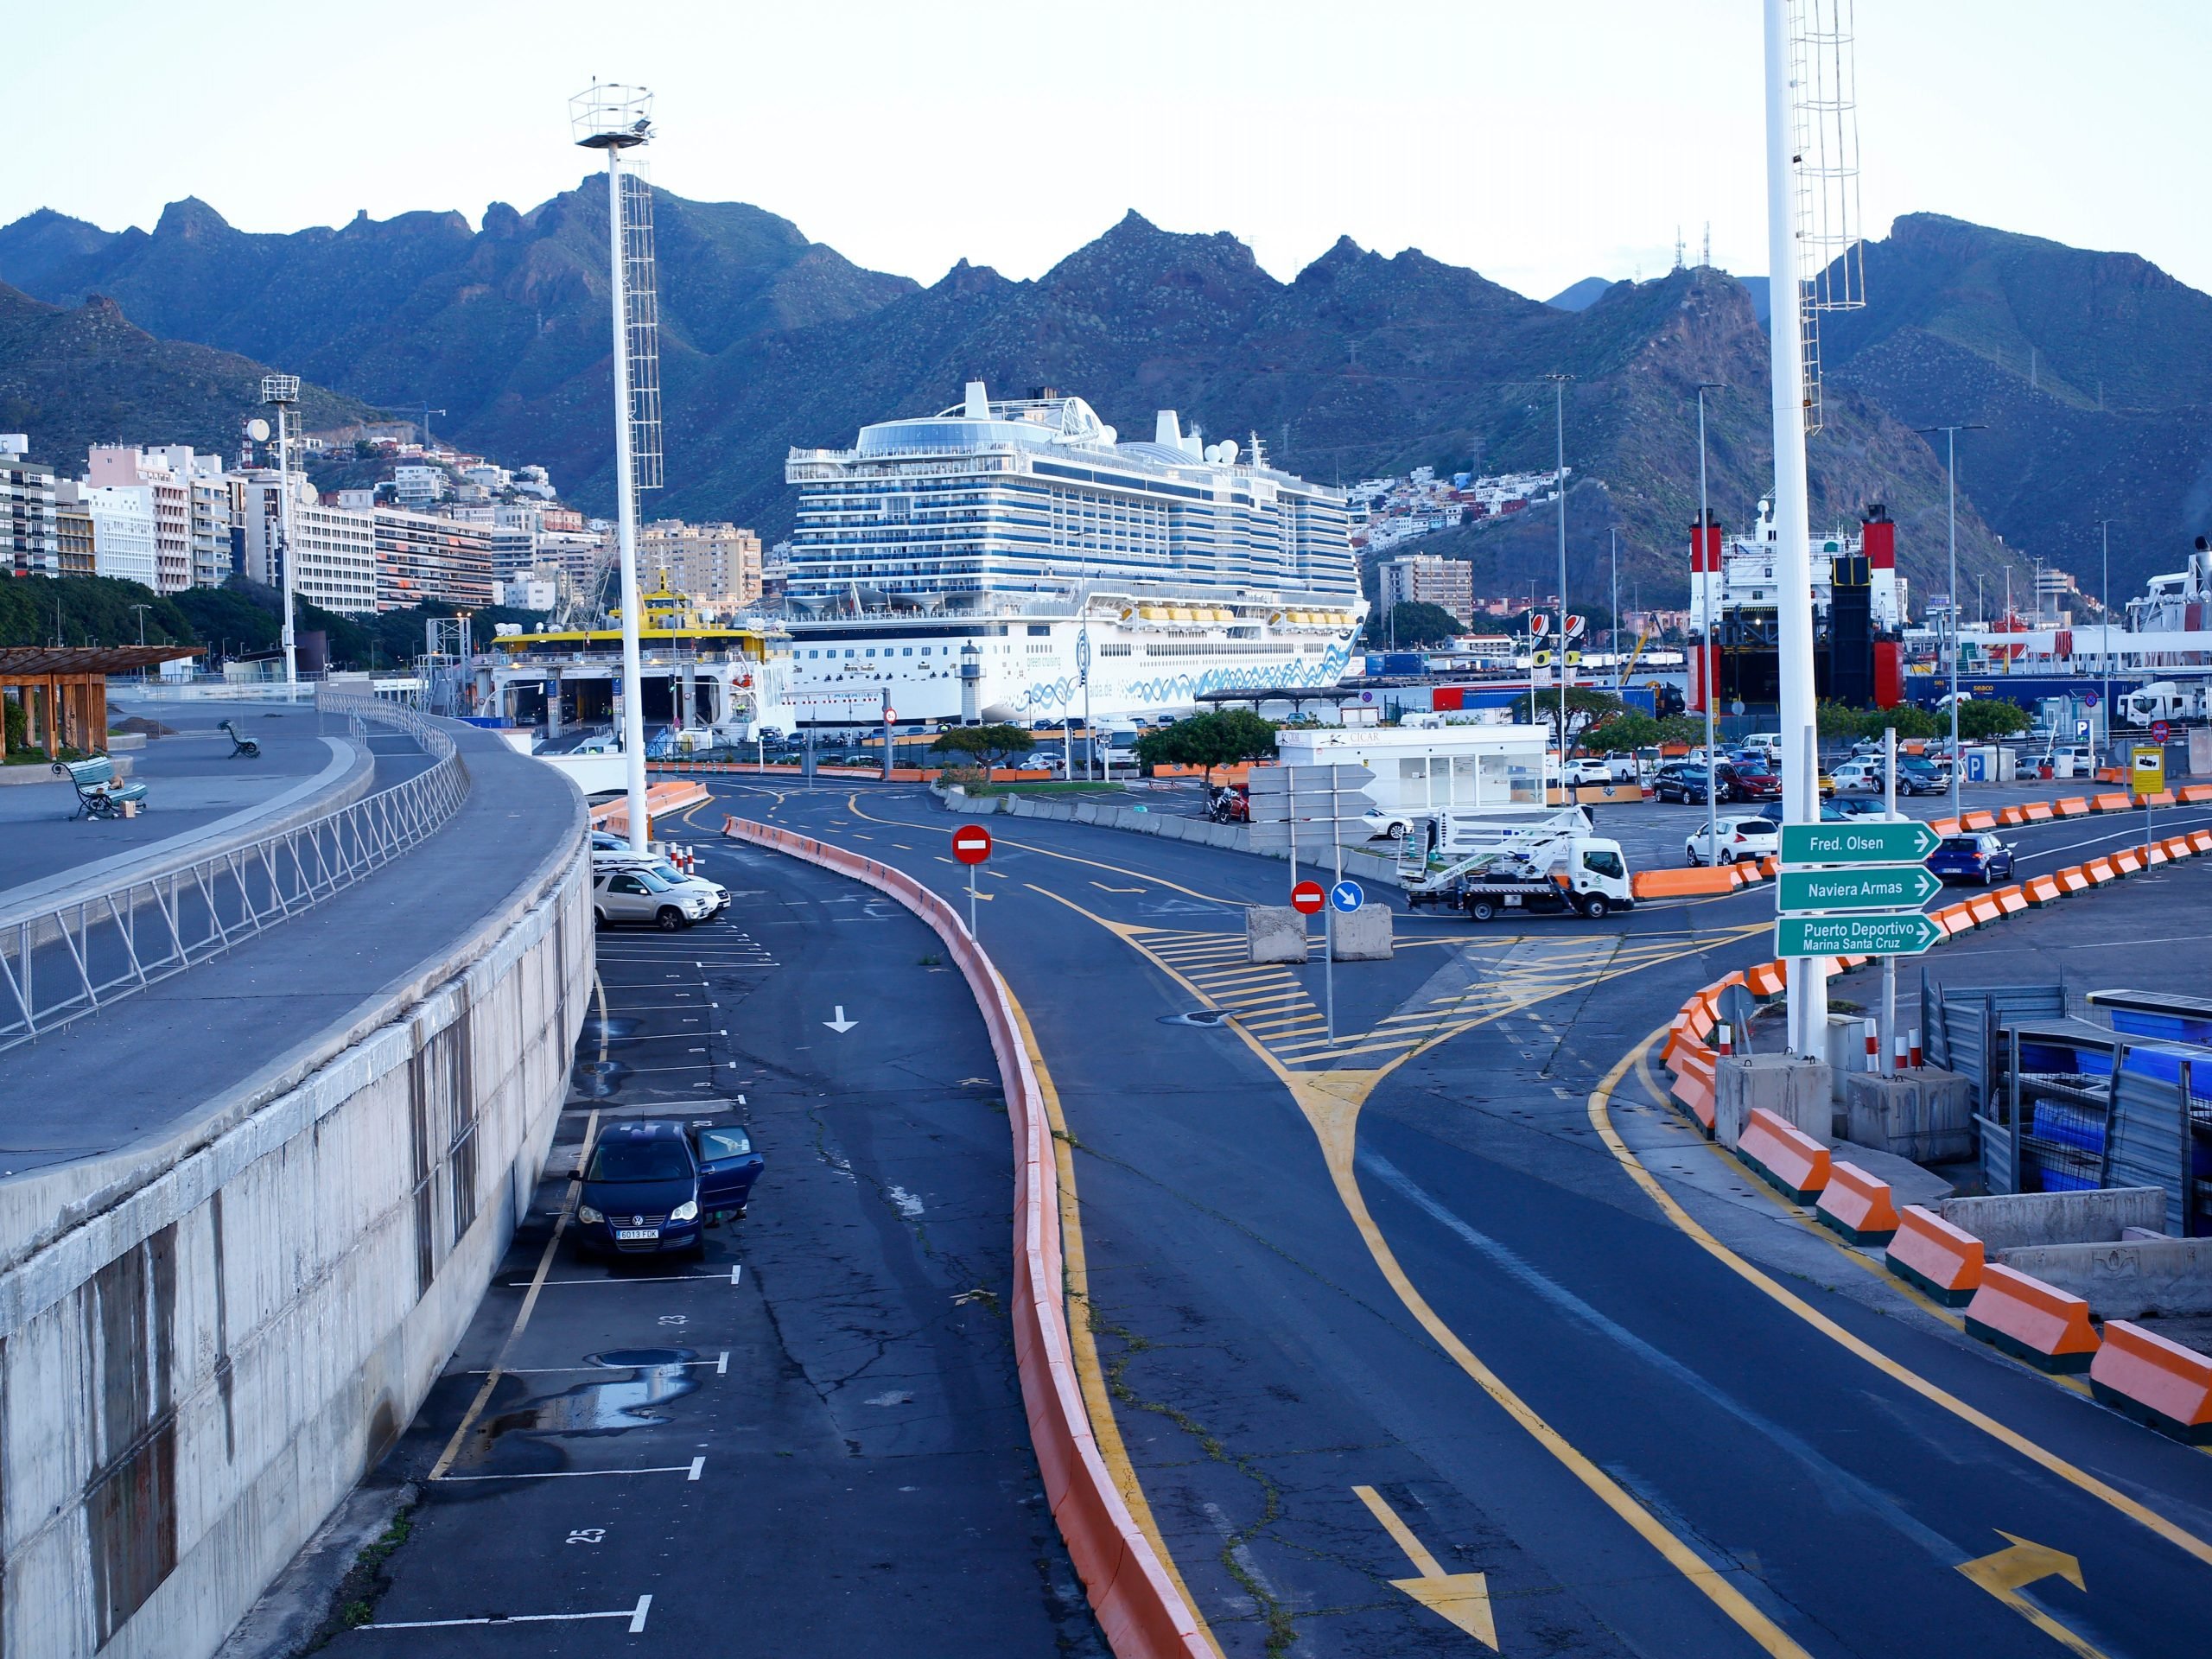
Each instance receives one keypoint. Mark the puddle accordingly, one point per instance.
(1206, 1019)
(651, 1377)
(598, 1079)
(616, 1028)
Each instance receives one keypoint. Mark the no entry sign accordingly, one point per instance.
(971, 843)
(1306, 899)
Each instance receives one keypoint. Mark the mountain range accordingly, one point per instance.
(2091, 373)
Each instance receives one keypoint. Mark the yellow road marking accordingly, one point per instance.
(1601, 1119)
(1083, 1342)
(1461, 1598)
(1330, 1102)
(529, 1297)
(2018, 1565)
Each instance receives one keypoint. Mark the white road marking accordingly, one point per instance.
(689, 1471)
(698, 1467)
(636, 1616)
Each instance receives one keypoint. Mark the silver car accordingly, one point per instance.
(666, 871)
(629, 894)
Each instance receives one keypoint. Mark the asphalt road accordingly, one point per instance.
(1414, 1305)
(809, 1442)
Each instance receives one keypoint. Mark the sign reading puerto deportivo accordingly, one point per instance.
(1874, 886)
(1905, 934)
(1857, 843)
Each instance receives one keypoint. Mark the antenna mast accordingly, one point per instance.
(615, 118)
(281, 393)
(1813, 265)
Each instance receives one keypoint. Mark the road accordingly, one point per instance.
(811, 1442)
(1375, 1316)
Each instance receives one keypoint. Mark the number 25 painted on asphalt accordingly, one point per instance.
(588, 1535)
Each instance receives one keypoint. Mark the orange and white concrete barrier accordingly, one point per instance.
(2073, 806)
(1929, 1252)
(1789, 1158)
(2157, 1382)
(2031, 1321)
(1858, 1206)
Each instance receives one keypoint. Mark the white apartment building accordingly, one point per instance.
(335, 561)
(417, 486)
(1426, 579)
(525, 593)
(29, 541)
(125, 534)
(191, 507)
(574, 554)
(421, 555)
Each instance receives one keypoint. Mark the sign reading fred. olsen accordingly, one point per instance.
(1857, 843)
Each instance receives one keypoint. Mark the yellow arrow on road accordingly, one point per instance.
(1461, 1598)
(2019, 1564)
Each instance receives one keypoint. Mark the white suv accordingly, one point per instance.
(630, 893)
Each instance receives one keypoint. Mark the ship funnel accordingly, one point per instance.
(979, 401)
(1167, 430)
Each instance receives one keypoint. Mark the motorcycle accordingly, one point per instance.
(1229, 804)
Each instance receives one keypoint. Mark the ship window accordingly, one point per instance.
(906, 651)
(849, 650)
(813, 653)
(925, 650)
(871, 652)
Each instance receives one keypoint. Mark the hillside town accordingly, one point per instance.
(407, 523)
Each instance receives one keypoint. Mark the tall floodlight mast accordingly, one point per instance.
(1813, 264)
(615, 118)
(281, 393)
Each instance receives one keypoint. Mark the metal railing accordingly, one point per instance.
(61, 963)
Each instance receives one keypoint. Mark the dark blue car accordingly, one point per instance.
(652, 1184)
(1973, 858)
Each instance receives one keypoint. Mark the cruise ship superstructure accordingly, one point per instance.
(974, 564)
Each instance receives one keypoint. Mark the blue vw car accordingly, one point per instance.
(1981, 858)
(651, 1184)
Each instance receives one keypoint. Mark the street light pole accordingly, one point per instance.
(1951, 467)
(1558, 418)
(2104, 633)
(1709, 669)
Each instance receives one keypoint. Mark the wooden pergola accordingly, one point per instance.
(63, 688)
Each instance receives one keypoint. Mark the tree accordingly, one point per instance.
(1624, 732)
(1222, 737)
(1411, 625)
(1586, 707)
(1982, 720)
(992, 746)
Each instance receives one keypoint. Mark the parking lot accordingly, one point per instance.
(661, 1447)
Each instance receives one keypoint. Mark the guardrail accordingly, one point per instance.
(60, 963)
(1140, 1609)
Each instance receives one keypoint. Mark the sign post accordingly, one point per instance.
(971, 845)
(1308, 899)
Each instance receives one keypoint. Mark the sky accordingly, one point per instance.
(1537, 143)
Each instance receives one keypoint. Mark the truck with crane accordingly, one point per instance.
(1484, 865)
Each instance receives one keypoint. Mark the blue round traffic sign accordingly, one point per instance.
(1346, 896)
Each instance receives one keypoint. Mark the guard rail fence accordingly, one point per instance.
(64, 961)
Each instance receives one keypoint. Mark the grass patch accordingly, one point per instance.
(366, 1582)
(1043, 789)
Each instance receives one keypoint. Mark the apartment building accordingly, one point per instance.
(335, 563)
(127, 534)
(1425, 579)
(421, 557)
(28, 534)
(718, 565)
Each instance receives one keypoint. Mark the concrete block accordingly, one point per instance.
(2123, 1278)
(1274, 933)
(1926, 1115)
(2011, 1221)
(1846, 1052)
(1363, 936)
(1794, 1089)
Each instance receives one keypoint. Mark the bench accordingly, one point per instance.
(100, 795)
(240, 746)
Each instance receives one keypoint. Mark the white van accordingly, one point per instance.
(1767, 743)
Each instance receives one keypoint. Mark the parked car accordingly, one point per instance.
(1382, 824)
(1983, 858)
(1051, 760)
(662, 869)
(1918, 777)
(1680, 780)
(624, 894)
(1589, 769)
(1747, 782)
(1621, 766)
(1737, 838)
(651, 1184)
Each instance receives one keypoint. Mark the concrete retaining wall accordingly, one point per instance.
(207, 1338)
(2128, 1279)
(2007, 1221)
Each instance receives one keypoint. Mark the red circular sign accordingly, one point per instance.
(2160, 731)
(890, 716)
(1306, 899)
(971, 844)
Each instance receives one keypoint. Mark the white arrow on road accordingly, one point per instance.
(841, 1025)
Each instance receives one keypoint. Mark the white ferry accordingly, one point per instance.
(1014, 560)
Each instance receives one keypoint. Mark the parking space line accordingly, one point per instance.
(721, 1364)
(689, 1471)
(530, 1298)
(636, 1616)
(659, 1278)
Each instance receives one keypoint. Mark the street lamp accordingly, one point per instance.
(1558, 418)
(1951, 468)
(2104, 633)
(1712, 664)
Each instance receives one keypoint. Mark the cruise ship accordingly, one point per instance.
(1012, 559)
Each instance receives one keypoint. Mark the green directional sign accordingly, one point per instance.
(1857, 843)
(1907, 934)
(1873, 887)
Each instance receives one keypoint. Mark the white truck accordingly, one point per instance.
(1554, 865)
(2162, 700)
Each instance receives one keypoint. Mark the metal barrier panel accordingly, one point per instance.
(59, 965)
